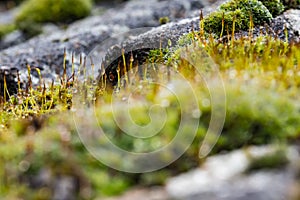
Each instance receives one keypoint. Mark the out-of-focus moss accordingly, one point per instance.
(5, 29)
(164, 20)
(272, 160)
(53, 11)
(35, 12)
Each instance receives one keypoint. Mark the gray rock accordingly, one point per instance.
(293, 18)
(224, 177)
(11, 39)
(49, 29)
(7, 17)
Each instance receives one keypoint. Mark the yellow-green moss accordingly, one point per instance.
(35, 12)
(53, 10)
(164, 20)
(272, 160)
(5, 29)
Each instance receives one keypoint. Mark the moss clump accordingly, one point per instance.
(53, 11)
(242, 10)
(164, 20)
(213, 23)
(275, 7)
(35, 12)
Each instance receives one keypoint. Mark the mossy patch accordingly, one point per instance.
(164, 20)
(53, 11)
(5, 29)
(271, 160)
(243, 11)
(35, 12)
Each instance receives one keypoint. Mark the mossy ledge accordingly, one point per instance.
(240, 15)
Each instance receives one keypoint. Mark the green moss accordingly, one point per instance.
(274, 6)
(35, 12)
(5, 29)
(272, 160)
(164, 20)
(255, 8)
(257, 116)
(242, 10)
(53, 11)
(213, 23)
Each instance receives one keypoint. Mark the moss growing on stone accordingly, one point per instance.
(164, 20)
(272, 160)
(35, 12)
(5, 29)
(53, 10)
(242, 10)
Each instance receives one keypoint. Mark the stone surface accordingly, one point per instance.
(7, 17)
(224, 177)
(293, 18)
(11, 39)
